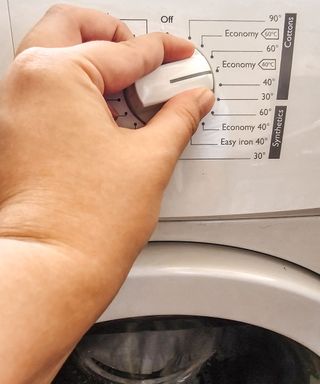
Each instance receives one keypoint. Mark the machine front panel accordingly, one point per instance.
(257, 151)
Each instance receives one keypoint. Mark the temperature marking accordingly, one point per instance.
(268, 64)
(219, 158)
(194, 144)
(238, 85)
(219, 21)
(208, 129)
(231, 51)
(274, 18)
(233, 114)
(220, 99)
(258, 155)
(203, 36)
(270, 34)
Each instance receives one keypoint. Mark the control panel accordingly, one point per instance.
(252, 62)
(257, 151)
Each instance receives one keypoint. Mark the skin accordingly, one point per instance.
(79, 196)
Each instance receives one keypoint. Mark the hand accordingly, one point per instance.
(62, 150)
(74, 184)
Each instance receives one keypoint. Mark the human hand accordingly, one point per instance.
(71, 180)
(104, 184)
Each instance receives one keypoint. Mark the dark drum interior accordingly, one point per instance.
(186, 349)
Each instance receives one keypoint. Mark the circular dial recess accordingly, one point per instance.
(146, 96)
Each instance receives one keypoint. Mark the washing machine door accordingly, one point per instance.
(204, 314)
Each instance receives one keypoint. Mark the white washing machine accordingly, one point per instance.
(228, 290)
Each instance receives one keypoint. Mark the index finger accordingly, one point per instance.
(121, 64)
(67, 25)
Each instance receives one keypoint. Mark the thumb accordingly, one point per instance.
(178, 120)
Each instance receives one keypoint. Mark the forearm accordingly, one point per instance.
(60, 268)
(50, 295)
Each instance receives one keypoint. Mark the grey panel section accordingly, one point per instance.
(277, 132)
(287, 55)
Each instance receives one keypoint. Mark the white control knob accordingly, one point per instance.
(147, 94)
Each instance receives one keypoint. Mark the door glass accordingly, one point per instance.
(187, 350)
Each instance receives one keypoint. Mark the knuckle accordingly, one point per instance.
(121, 25)
(31, 63)
(157, 40)
(59, 8)
(29, 58)
(117, 22)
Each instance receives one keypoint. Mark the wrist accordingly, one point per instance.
(59, 220)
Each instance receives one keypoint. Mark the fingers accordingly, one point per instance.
(173, 126)
(66, 25)
(121, 64)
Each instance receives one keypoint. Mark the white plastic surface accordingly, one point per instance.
(189, 279)
(172, 78)
(6, 49)
(295, 239)
(226, 170)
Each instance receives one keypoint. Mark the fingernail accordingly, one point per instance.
(206, 99)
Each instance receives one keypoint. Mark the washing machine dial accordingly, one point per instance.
(146, 96)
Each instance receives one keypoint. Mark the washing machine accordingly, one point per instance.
(228, 289)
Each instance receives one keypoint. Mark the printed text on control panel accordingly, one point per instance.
(251, 60)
